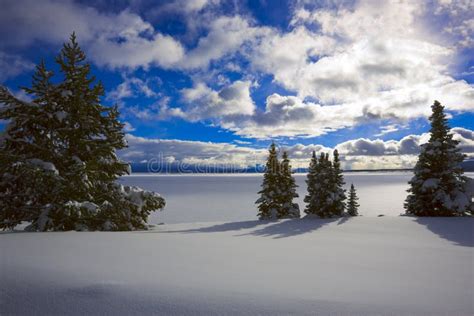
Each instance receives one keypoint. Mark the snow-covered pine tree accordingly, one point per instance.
(65, 143)
(288, 209)
(438, 185)
(268, 203)
(312, 186)
(338, 193)
(352, 204)
(30, 185)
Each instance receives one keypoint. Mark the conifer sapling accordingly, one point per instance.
(352, 204)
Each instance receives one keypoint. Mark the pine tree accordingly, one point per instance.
(352, 204)
(67, 140)
(337, 186)
(288, 209)
(325, 182)
(269, 201)
(438, 185)
(30, 185)
(312, 185)
(325, 192)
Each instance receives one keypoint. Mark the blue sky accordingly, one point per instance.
(214, 81)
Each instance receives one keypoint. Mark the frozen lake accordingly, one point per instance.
(211, 197)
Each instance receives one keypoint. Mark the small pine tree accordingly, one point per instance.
(438, 186)
(268, 203)
(58, 156)
(352, 204)
(312, 186)
(288, 191)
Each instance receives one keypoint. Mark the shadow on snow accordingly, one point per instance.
(459, 230)
(275, 229)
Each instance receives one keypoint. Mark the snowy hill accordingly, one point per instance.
(356, 266)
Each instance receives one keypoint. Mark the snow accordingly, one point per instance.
(350, 266)
(89, 206)
(47, 166)
(66, 93)
(232, 197)
(430, 184)
(61, 115)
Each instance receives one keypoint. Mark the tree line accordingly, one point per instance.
(326, 195)
(437, 188)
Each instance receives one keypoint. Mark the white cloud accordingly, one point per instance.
(370, 62)
(114, 40)
(187, 6)
(408, 145)
(12, 65)
(128, 127)
(346, 64)
(373, 62)
(355, 154)
(132, 87)
(288, 116)
(190, 152)
(136, 51)
(387, 129)
(226, 35)
(458, 20)
(204, 103)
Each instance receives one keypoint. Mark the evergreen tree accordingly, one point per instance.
(312, 186)
(325, 190)
(269, 201)
(59, 151)
(30, 185)
(325, 182)
(337, 186)
(438, 185)
(352, 204)
(288, 187)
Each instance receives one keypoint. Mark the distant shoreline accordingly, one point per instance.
(143, 168)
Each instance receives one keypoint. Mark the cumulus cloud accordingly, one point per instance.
(121, 39)
(190, 152)
(355, 154)
(347, 65)
(344, 64)
(359, 52)
(226, 35)
(136, 51)
(408, 145)
(204, 103)
(369, 62)
(288, 116)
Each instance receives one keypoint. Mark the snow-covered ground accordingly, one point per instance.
(357, 266)
(212, 257)
(200, 198)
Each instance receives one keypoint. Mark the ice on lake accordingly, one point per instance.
(231, 197)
